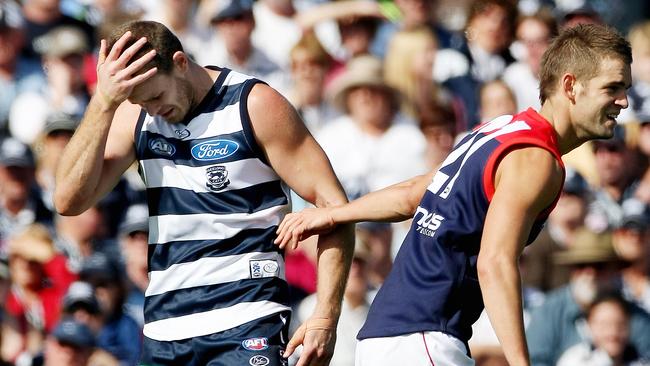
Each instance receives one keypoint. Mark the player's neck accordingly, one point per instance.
(557, 116)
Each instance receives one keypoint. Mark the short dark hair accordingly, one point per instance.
(159, 38)
(579, 50)
(478, 7)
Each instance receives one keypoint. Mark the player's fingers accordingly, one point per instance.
(295, 241)
(101, 56)
(295, 341)
(128, 53)
(138, 64)
(118, 46)
(142, 77)
(305, 357)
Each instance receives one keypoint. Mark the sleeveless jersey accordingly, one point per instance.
(214, 206)
(433, 285)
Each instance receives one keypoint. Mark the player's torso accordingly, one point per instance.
(433, 284)
(214, 205)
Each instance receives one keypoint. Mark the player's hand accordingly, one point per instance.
(116, 80)
(317, 336)
(301, 225)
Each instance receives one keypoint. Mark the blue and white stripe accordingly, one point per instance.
(212, 262)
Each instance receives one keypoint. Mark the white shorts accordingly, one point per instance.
(416, 349)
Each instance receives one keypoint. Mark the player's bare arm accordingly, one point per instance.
(394, 203)
(102, 147)
(527, 181)
(301, 163)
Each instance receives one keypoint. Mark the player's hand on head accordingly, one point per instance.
(318, 337)
(299, 226)
(116, 78)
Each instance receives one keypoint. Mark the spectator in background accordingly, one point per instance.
(584, 13)
(616, 181)
(38, 282)
(484, 57)
(63, 50)
(233, 46)
(78, 237)
(413, 15)
(639, 37)
(404, 56)
(345, 28)
(540, 270)
(438, 124)
(310, 64)
(71, 344)
(42, 16)
(58, 130)
(120, 334)
(632, 243)
(608, 343)
(133, 238)
(276, 30)
(533, 36)
(20, 203)
(17, 74)
(559, 322)
(178, 15)
(80, 304)
(496, 99)
(372, 145)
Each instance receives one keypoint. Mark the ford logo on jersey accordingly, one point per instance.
(214, 150)
(160, 146)
(256, 344)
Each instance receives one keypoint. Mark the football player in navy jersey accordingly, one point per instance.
(474, 215)
(215, 148)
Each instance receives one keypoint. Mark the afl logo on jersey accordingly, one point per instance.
(256, 344)
(214, 150)
(160, 146)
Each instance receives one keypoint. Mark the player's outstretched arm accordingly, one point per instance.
(394, 203)
(527, 181)
(301, 163)
(102, 147)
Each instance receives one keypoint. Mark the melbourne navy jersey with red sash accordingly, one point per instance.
(433, 285)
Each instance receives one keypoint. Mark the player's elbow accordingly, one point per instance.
(64, 203)
(491, 267)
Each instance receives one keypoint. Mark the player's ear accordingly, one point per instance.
(568, 86)
(181, 61)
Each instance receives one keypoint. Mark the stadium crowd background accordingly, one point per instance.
(386, 88)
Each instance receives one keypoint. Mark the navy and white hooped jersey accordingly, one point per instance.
(214, 207)
(433, 285)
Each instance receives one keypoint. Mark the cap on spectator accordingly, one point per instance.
(75, 333)
(15, 153)
(636, 215)
(62, 41)
(99, 269)
(360, 71)
(587, 247)
(60, 122)
(229, 9)
(10, 16)
(135, 219)
(574, 183)
(80, 295)
(584, 10)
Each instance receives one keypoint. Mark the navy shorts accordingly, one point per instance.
(257, 343)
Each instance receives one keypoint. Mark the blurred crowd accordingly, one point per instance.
(386, 87)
